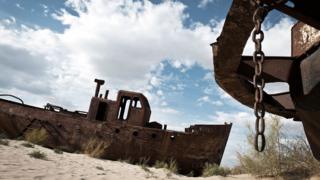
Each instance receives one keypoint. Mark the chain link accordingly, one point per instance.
(258, 81)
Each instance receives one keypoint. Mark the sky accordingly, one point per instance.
(51, 51)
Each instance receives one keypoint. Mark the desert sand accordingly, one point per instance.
(15, 163)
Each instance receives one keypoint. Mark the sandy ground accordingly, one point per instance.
(15, 163)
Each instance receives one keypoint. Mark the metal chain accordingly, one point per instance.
(258, 80)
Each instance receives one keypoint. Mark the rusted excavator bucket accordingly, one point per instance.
(234, 72)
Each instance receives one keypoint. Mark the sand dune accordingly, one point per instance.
(15, 163)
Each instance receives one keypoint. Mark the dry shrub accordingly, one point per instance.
(38, 155)
(95, 148)
(283, 156)
(127, 160)
(237, 170)
(171, 165)
(4, 142)
(57, 151)
(160, 164)
(3, 135)
(37, 136)
(214, 169)
(143, 161)
(28, 145)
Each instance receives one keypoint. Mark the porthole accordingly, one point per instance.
(153, 135)
(117, 130)
(172, 137)
(135, 133)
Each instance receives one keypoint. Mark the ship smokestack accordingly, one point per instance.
(106, 94)
(99, 83)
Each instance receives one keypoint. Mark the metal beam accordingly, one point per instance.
(285, 100)
(306, 10)
(275, 69)
(227, 53)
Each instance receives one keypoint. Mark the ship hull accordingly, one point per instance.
(71, 131)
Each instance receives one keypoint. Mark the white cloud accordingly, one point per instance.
(119, 41)
(45, 10)
(19, 6)
(169, 111)
(208, 76)
(277, 39)
(223, 94)
(160, 93)
(208, 90)
(155, 81)
(204, 3)
(9, 21)
(176, 64)
(235, 117)
(206, 99)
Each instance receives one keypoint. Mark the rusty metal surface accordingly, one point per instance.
(235, 33)
(133, 137)
(306, 11)
(233, 72)
(310, 72)
(275, 68)
(308, 108)
(306, 92)
(303, 38)
(285, 100)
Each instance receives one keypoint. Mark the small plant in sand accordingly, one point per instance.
(213, 170)
(38, 155)
(4, 142)
(3, 135)
(37, 136)
(99, 168)
(143, 163)
(128, 160)
(95, 148)
(58, 151)
(27, 144)
(171, 165)
(190, 174)
(284, 156)
(160, 164)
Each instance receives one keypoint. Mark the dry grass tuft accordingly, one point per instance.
(37, 136)
(143, 163)
(160, 164)
(287, 157)
(38, 155)
(27, 144)
(95, 148)
(99, 168)
(3, 139)
(57, 151)
(128, 160)
(4, 142)
(214, 169)
(171, 165)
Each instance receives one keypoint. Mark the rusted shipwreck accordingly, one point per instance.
(124, 125)
(243, 77)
